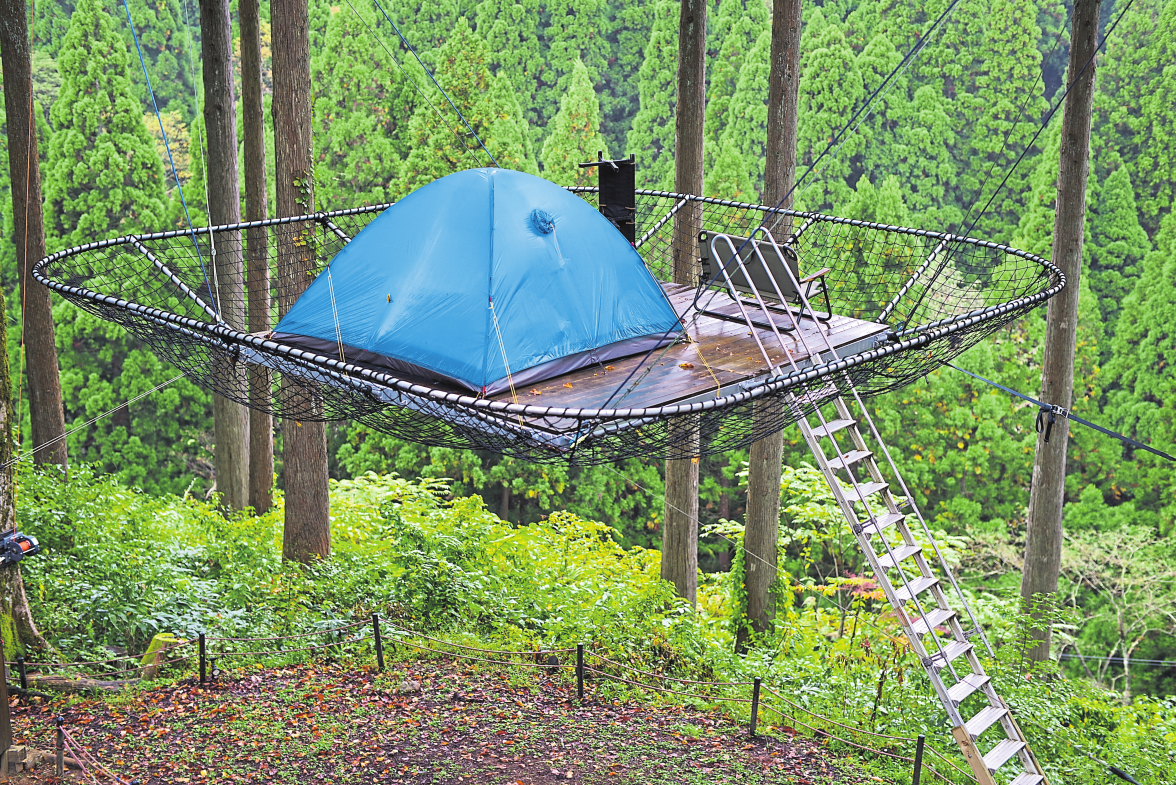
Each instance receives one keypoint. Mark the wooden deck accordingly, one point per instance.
(720, 355)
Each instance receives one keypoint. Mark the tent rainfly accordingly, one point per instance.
(484, 279)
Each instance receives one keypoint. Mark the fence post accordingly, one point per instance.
(203, 666)
(60, 747)
(379, 643)
(20, 666)
(919, 742)
(580, 671)
(755, 691)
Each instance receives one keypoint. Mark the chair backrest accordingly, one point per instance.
(755, 269)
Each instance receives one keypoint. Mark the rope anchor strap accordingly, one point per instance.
(1047, 416)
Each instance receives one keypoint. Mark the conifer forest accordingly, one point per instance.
(144, 543)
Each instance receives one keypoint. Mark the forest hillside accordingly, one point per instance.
(515, 554)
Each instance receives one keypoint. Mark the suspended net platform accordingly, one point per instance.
(873, 307)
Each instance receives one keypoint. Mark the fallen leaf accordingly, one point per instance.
(607, 368)
(536, 392)
(568, 385)
(687, 366)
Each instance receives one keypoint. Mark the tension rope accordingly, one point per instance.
(834, 146)
(437, 84)
(411, 81)
(170, 159)
(1049, 413)
(1029, 146)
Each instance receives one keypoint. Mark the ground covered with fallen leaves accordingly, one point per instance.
(431, 722)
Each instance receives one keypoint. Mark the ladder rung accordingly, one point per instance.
(985, 720)
(924, 624)
(832, 427)
(849, 459)
(1000, 754)
(889, 560)
(1028, 778)
(869, 489)
(914, 588)
(967, 685)
(952, 650)
(881, 522)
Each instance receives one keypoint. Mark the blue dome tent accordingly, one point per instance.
(484, 279)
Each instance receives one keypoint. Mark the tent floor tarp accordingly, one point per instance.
(722, 357)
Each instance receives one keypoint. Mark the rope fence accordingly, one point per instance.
(602, 667)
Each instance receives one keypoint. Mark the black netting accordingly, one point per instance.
(938, 294)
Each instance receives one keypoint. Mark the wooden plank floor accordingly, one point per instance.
(720, 354)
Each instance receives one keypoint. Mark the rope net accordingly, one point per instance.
(938, 294)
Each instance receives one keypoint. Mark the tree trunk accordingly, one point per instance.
(1043, 536)
(763, 468)
(24, 168)
(16, 622)
(679, 554)
(680, 530)
(257, 280)
(307, 531)
(230, 420)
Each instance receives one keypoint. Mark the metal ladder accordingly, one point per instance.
(905, 568)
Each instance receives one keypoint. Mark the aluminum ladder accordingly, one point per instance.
(912, 574)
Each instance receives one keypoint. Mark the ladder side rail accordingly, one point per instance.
(829, 475)
(864, 541)
(887, 587)
(923, 522)
(832, 480)
(735, 257)
(1010, 728)
(738, 301)
(803, 299)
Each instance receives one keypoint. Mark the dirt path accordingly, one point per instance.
(433, 723)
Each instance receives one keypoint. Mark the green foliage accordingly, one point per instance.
(827, 99)
(161, 443)
(361, 111)
(489, 105)
(1144, 386)
(513, 31)
(1118, 245)
(173, 68)
(745, 127)
(575, 133)
(573, 34)
(734, 31)
(1000, 111)
(651, 138)
(120, 566)
(1155, 169)
(632, 23)
(587, 75)
(162, 36)
(102, 176)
